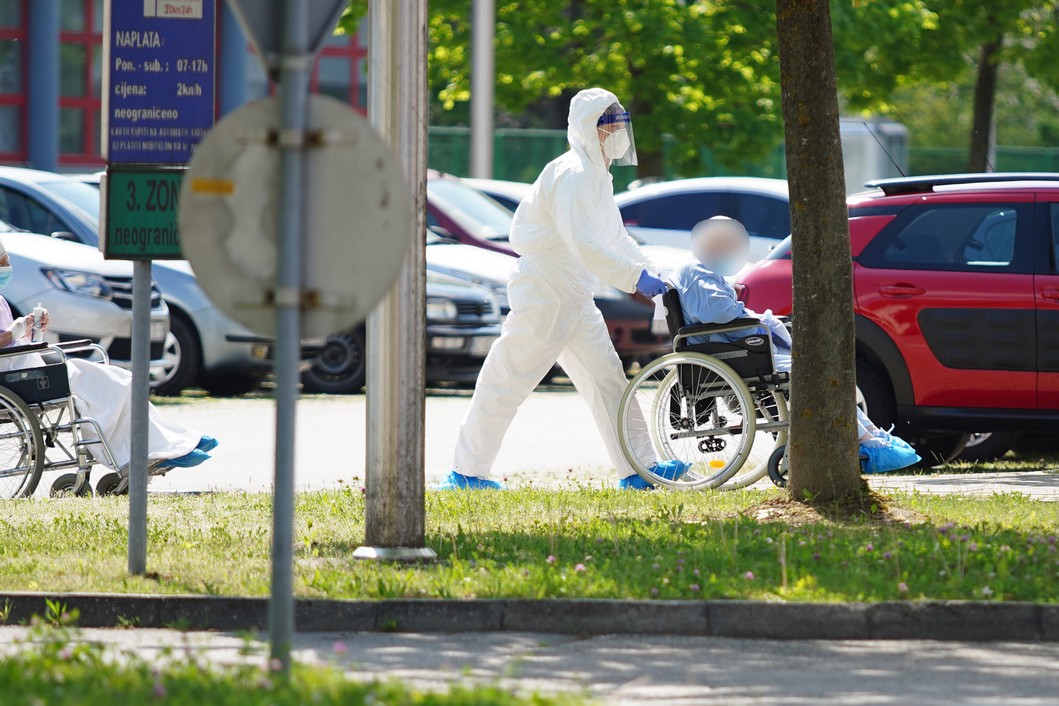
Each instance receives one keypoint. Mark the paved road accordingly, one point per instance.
(689, 671)
(552, 441)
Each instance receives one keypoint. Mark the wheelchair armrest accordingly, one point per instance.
(702, 329)
(686, 332)
(20, 350)
(73, 345)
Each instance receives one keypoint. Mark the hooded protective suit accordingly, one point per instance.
(568, 233)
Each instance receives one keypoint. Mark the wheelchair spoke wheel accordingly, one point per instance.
(21, 447)
(773, 423)
(687, 421)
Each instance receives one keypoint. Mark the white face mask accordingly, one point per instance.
(616, 144)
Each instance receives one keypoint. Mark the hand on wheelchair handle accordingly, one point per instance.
(649, 285)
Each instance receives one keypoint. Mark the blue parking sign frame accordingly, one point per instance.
(158, 75)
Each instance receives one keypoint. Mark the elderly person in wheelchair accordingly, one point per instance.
(720, 245)
(38, 407)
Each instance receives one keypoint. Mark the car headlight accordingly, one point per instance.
(84, 283)
(441, 310)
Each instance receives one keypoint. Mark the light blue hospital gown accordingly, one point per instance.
(708, 298)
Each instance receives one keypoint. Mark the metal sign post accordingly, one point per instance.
(158, 102)
(394, 522)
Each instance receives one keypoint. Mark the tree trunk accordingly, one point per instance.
(822, 446)
(984, 99)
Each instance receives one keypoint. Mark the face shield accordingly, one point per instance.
(615, 136)
(721, 244)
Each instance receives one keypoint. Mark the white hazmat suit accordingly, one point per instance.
(568, 233)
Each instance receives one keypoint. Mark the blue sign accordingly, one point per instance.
(158, 99)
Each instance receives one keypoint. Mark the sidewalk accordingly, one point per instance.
(690, 671)
(1041, 485)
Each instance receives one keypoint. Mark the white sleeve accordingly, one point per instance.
(614, 258)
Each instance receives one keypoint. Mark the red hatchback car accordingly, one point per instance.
(956, 298)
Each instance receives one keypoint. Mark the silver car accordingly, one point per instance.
(85, 295)
(204, 345)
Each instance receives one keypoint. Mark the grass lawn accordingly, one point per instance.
(544, 543)
(55, 666)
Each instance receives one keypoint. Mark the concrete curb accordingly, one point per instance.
(934, 620)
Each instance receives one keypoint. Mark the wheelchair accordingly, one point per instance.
(719, 408)
(42, 432)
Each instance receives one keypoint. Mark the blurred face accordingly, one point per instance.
(721, 244)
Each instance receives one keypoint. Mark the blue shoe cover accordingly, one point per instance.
(458, 481)
(188, 460)
(634, 482)
(207, 444)
(887, 458)
(670, 470)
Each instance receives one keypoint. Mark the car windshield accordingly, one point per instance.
(81, 195)
(471, 209)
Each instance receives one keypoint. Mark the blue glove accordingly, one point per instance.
(649, 285)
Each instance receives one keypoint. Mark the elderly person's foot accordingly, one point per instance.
(189, 460)
(458, 481)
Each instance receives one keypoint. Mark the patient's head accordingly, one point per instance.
(721, 244)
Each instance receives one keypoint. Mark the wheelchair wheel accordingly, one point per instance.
(773, 424)
(108, 484)
(21, 447)
(687, 408)
(777, 467)
(65, 486)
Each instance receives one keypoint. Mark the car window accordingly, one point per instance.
(1053, 218)
(969, 237)
(763, 216)
(471, 209)
(24, 212)
(82, 195)
(677, 211)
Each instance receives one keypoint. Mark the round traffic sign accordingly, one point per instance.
(357, 215)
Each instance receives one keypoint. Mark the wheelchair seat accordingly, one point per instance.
(750, 356)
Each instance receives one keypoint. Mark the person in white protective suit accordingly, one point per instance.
(720, 246)
(569, 234)
(102, 392)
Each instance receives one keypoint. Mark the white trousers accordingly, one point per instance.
(542, 328)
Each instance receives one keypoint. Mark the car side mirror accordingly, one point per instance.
(65, 235)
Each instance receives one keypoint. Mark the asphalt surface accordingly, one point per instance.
(552, 442)
(632, 669)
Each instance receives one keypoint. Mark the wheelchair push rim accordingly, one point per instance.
(21, 447)
(688, 408)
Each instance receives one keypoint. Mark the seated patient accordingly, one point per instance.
(103, 393)
(721, 246)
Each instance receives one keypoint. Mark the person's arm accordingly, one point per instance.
(613, 257)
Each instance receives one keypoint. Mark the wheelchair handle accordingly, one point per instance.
(21, 350)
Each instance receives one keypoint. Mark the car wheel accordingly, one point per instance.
(341, 367)
(939, 447)
(988, 446)
(181, 354)
(230, 384)
(874, 396)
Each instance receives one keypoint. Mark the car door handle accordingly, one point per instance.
(1050, 293)
(900, 291)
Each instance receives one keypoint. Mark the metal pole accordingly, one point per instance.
(394, 522)
(295, 64)
(141, 383)
(483, 82)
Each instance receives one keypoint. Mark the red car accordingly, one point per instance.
(956, 298)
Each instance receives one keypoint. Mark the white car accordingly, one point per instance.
(665, 212)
